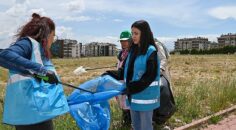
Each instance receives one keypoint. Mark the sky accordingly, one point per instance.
(103, 20)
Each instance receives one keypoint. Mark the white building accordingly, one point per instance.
(197, 43)
(100, 49)
(227, 40)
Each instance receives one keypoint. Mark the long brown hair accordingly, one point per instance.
(38, 28)
(146, 38)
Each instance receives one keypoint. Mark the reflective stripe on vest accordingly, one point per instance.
(36, 57)
(36, 51)
(150, 101)
(154, 83)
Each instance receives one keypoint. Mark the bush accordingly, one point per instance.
(224, 50)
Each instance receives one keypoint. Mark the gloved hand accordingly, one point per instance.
(49, 78)
(52, 78)
(37, 77)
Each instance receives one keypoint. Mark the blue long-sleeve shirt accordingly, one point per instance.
(17, 58)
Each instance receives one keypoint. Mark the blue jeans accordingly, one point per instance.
(141, 120)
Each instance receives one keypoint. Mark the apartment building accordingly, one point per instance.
(66, 48)
(198, 43)
(99, 49)
(227, 40)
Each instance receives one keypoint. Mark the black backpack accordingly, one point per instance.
(167, 106)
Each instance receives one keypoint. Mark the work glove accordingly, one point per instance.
(50, 77)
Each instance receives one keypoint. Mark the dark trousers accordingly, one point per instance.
(126, 117)
(47, 125)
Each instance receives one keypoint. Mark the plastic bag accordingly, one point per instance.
(92, 111)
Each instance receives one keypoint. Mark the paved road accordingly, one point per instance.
(228, 123)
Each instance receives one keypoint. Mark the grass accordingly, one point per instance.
(215, 119)
(202, 85)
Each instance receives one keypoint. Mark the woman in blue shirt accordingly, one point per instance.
(31, 103)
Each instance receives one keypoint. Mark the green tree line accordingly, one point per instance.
(224, 50)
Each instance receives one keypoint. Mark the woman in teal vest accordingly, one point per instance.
(31, 103)
(141, 75)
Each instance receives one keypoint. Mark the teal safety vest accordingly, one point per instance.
(28, 101)
(149, 98)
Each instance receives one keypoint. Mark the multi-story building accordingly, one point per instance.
(213, 45)
(80, 48)
(227, 40)
(70, 48)
(100, 49)
(83, 50)
(197, 43)
(66, 48)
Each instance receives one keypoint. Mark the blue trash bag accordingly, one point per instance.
(92, 111)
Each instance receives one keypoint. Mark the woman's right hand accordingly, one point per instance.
(52, 78)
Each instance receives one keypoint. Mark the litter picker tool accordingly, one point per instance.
(66, 84)
(80, 70)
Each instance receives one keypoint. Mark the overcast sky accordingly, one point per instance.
(103, 20)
